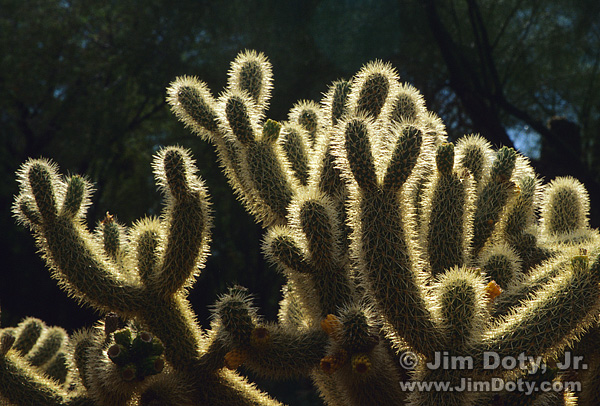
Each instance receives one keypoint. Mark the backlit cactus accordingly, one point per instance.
(395, 244)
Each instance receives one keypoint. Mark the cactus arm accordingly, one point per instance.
(230, 389)
(187, 220)
(174, 323)
(287, 354)
(525, 286)
(446, 220)
(296, 152)
(251, 73)
(553, 317)
(494, 195)
(308, 116)
(69, 248)
(20, 385)
(380, 241)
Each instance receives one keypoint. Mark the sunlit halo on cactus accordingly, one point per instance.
(393, 242)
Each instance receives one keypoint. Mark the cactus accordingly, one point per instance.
(396, 245)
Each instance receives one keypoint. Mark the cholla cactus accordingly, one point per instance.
(402, 252)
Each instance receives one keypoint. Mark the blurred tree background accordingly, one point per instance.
(83, 82)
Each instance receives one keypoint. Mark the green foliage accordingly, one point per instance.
(390, 246)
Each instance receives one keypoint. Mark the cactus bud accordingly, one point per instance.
(331, 325)
(129, 373)
(492, 291)
(151, 366)
(123, 337)
(271, 131)
(118, 354)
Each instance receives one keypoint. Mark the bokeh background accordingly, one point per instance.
(83, 82)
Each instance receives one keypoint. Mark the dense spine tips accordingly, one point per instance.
(335, 102)
(251, 72)
(371, 88)
(237, 110)
(41, 177)
(565, 207)
(404, 158)
(357, 148)
(193, 104)
(460, 298)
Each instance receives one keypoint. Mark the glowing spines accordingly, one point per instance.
(76, 197)
(358, 360)
(405, 106)
(35, 365)
(446, 214)
(69, 246)
(194, 105)
(554, 315)
(293, 143)
(460, 301)
(335, 102)
(371, 88)
(146, 236)
(493, 195)
(501, 264)
(565, 208)
(309, 251)
(409, 141)
(308, 115)
(474, 153)
(356, 146)
(187, 221)
(265, 184)
(251, 72)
